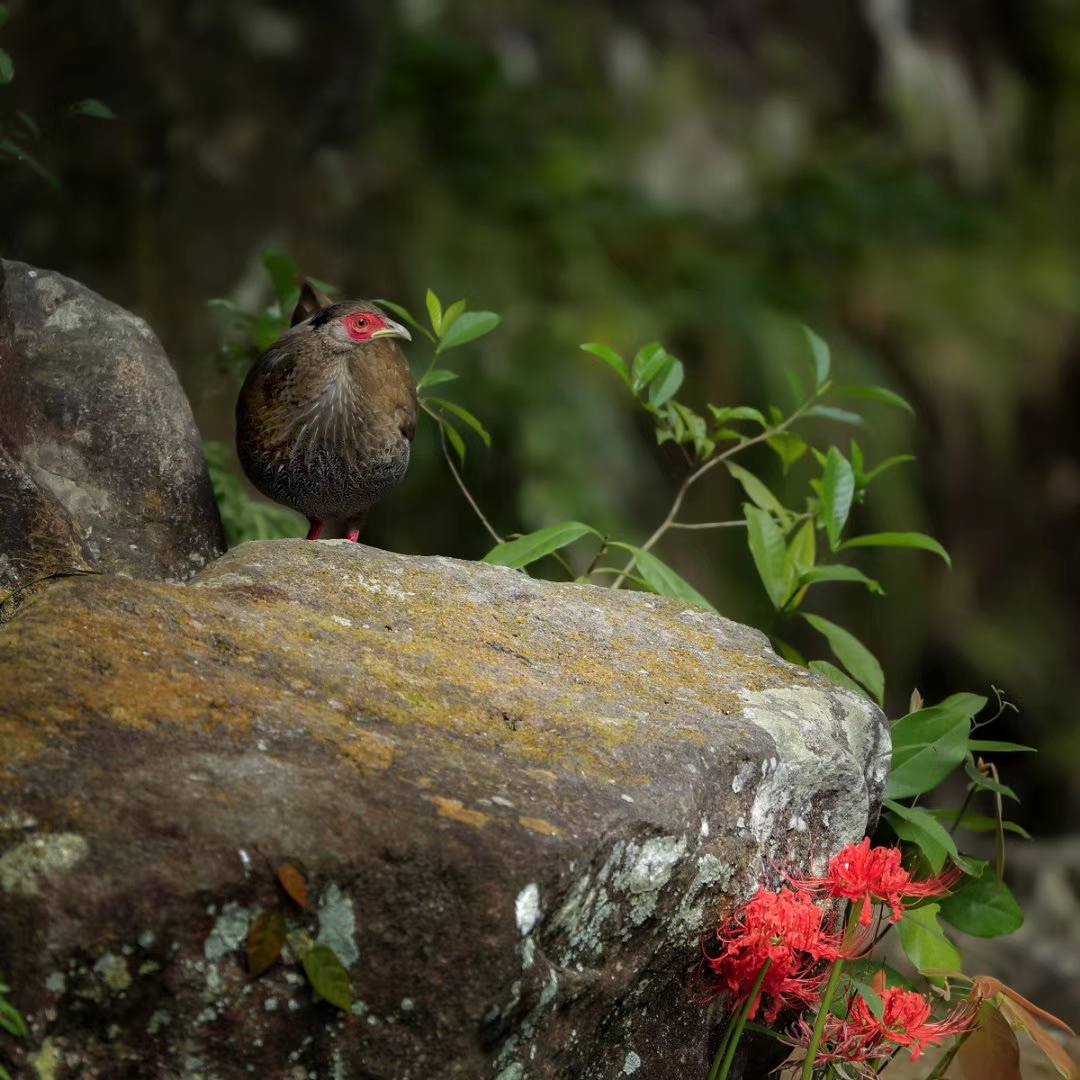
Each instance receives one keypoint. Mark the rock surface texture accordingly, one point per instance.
(101, 467)
(518, 805)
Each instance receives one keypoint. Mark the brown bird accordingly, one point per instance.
(327, 414)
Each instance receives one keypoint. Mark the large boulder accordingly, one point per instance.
(518, 806)
(101, 466)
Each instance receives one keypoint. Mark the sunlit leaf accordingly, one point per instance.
(930, 743)
(873, 393)
(767, 546)
(663, 579)
(611, 358)
(788, 446)
(853, 654)
(92, 107)
(820, 352)
(985, 908)
(450, 316)
(533, 546)
(759, 493)
(265, 941)
(666, 382)
(919, 827)
(434, 310)
(838, 572)
(328, 976)
(292, 881)
(925, 943)
(468, 326)
(406, 315)
(465, 416)
(648, 361)
(799, 558)
(737, 412)
(837, 491)
(901, 540)
(436, 376)
(836, 676)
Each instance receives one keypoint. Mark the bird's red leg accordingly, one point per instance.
(353, 535)
(315, 531)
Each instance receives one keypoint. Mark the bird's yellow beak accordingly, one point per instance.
(392, 329)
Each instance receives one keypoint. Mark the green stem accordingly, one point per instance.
(725, 1055)
(946, 1058)
(822, 1017)
(698, 473)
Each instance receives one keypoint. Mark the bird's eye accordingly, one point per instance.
(361, 321)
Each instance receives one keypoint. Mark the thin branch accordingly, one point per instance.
(697, 474)
(457, 476)
(741, 523)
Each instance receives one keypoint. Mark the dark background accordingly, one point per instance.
(903, 176)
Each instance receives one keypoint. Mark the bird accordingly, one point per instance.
(326, 416)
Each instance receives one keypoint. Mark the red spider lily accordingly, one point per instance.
(906, 1021)
(788, 931)
(863, 874)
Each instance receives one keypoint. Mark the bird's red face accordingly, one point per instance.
(364, 326)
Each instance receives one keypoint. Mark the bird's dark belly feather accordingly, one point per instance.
(323, 481)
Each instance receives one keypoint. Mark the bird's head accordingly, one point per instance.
(351, 323)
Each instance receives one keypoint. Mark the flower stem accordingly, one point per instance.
(822, 1017)
(725, 1054)
(947, 1057)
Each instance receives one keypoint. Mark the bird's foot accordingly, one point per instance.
(353, 535)
(315, 531)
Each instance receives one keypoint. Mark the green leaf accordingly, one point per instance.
(767, 546)
(799, 557)
(925, 942)
(611, 358)
(3, 14)
(436, 376)
(979, 823)
(7, 68)
(843, 416)
(988, 746)
(837, 492)
(759, 494)
(853, 654)
(929, 743)
(836, 676)
(434, 310)
(450, 316)
(265, 941)
(468, 326)
(838, 573)
(663, 579)
(328, 976)
(919, 827)
(648, 361)
(533, 546)
(666, 382)
(11, 149)
(283, 273)
(788, 446)
(465, 416)
(738, 412)
(873, 393)
(404, 313)
(29, 123)
(986, 908)
(899, 539)
(987, 783)
(820, 352)
(92, 107)
(456, 441)
(888, 463)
